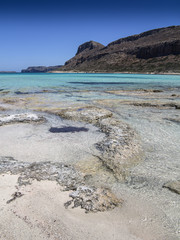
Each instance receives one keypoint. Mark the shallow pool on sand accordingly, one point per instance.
(39, 142)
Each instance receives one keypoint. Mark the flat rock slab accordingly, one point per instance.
(90, 198)
(20, 118)
(88, 114)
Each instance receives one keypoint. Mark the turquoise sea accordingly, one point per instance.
(63, 85)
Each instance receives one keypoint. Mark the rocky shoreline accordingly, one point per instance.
(135, 164)
(118, 151)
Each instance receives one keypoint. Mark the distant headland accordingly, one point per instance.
(40, 69)
(8, 72)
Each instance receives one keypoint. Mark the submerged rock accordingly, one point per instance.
(20, 118)
(2, 109)
(88, 114)
(174, 186)
(120, 149)
(155, 105)
(175, 120)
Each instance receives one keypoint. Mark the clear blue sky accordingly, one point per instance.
(48, 32)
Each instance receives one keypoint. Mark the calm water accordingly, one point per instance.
(66, 86)
(81, 81)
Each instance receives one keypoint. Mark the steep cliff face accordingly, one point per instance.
(159, 50)
(85, 50)
(156, 50)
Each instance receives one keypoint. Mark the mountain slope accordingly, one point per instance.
(156, 50)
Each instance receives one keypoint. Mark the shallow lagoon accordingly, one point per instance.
(81, 81)
(148, 103)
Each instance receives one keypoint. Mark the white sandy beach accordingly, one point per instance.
(40, 214)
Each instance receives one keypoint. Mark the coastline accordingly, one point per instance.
(48, 169)
(95, 72)
(148, 73)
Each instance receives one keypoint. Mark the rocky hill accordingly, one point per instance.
(156, 50)
(40, 69)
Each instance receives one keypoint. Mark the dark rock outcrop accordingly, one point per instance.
(89, 46)
(40, 69)
(156, 50)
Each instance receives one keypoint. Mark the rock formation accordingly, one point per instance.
(152, 51)
(89, 46)
(120, 149)
(91, 199)
(20, 118)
